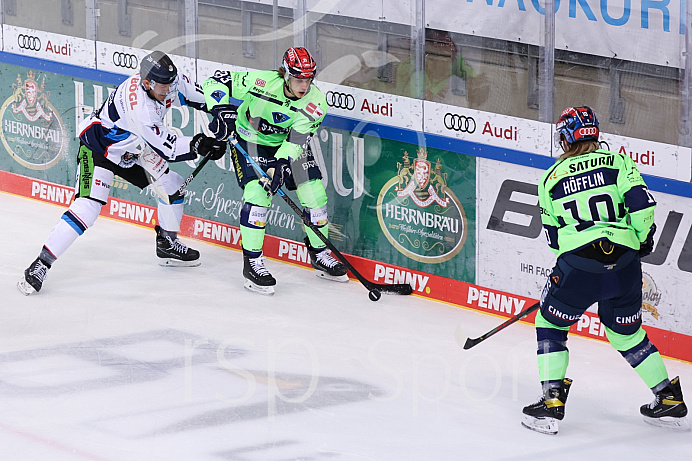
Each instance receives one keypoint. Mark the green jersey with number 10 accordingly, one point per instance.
(595, 196)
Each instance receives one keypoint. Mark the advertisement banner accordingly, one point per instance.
(47, 45)
(640, 31)
(488, 128)
(516, 257)
(371, 106)
(35, 134)
(652, 158)
(126, 60)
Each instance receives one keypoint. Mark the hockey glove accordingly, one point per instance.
(222, 125)
(279, 170)
(205, 145)
(647, 246)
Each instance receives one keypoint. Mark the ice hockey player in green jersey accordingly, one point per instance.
(280, 112)
(598, 216)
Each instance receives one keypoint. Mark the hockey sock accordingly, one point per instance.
(321, 221)
(253, 217)
(552, 352)
(313, 197)
(80, 216)
(170, 215)
(641, 354)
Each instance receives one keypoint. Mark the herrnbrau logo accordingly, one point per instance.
(419, 214)
(32, 131)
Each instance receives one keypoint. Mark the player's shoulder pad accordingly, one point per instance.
(216, 91)
(259, 81)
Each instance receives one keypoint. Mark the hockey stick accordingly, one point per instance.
(169, 199)
(181, 190)
(472, 342)
(375, 288)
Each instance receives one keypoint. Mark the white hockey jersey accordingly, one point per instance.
(130, 122)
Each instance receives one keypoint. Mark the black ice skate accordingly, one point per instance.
(325, 265)
(173, 252)
(667, 409)
(543, 415)
(257, 277)
(34, 276)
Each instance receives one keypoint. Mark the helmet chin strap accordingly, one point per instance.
(288, 91)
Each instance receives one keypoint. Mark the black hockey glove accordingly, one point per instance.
(279, 170)
(205, 145)
(647, 246)
(222, 125)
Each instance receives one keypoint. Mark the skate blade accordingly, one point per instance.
(333, 278)
(25, 288)
(263, 290)
(170, 262)
(669, 422)
(543, 425)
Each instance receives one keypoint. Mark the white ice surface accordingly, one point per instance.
(120, 359)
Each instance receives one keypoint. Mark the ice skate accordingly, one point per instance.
(325, 265)
(257, 277)
(667, 409)
(543, 416)
(34, 276)
(173, 252)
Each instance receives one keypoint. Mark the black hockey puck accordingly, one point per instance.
(374, 294)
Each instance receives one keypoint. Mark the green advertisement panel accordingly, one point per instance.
(391, 201)
(406, 204)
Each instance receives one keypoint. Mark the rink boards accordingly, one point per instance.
(485, 248)
(522, 272)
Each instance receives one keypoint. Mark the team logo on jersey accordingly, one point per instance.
(420, 216)
(218, 95)
(260, 82)
(32, 131)
(279, 117)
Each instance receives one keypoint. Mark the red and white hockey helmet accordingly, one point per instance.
(298, 63)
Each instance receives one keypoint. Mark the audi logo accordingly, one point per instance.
(460, 123)
(589, 131)
(129, 61)
(340, 100)
(29, 42)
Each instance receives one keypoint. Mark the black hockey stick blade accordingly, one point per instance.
(470, 342)
(181, 190)
(393, 289)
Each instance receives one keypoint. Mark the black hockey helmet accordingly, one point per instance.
(158, 67)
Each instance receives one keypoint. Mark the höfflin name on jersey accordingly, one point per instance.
(585, 182)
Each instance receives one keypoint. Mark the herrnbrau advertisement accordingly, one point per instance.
(390, 201)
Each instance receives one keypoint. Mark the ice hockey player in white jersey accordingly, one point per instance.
(127, 137)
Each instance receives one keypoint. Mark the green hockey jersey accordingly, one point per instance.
(267, 116)
(595, 196)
